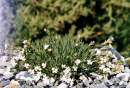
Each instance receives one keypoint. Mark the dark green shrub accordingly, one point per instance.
(90, 19)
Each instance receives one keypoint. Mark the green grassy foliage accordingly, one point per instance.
(56, 51)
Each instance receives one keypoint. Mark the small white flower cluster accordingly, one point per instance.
(54, 70)
(43, 65)
(108, 63)
(17, 55)
(89, 62)
(77, 62)
(37, 68)
(26, 65)
(26, 43)
(46, 47)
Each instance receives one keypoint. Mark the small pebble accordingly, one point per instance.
(5, 82)
(128, 86)
(14, 84)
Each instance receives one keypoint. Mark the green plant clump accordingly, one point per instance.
(59, 52)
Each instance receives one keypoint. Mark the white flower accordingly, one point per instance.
(25, 41)
(79, 36)
(89, 62)
(102, 67)
(110, 65)
(45, 29)
(91, 43)
(63, 66)
(19, 56)
(76, 44)
(37, 68)
(118, 68)
(26, 65)
(98, 51)
(103, 60)
(31, 71)
(46, 46)
(75, 68)
(67, 70)
(39, 73)
(54, 70)
(25, 46)
(77, 62)
(49, 50)
(107, 70)
(43, 65)
(22, 51)
(22, 58)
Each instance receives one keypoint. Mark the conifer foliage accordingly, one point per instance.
(88, 19)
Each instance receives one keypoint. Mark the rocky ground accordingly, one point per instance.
(6, 25)
(24, 79)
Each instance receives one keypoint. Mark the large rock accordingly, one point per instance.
(24, 75)
(5, 22)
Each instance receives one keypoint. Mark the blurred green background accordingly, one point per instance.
(88, 20)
